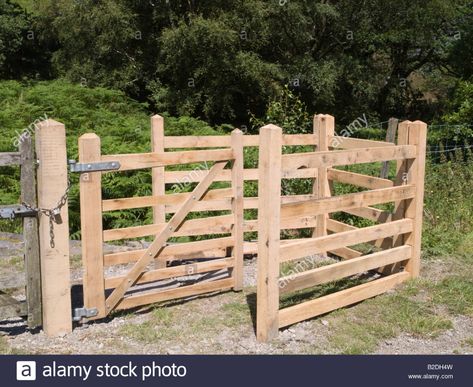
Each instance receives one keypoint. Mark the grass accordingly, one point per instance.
(360, 329)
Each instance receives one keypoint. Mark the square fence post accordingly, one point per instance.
(30, 234)
(52, 184)
(157, 175)
(237, 207)
(269, 223)
(417, 134)
(91, 226)
(324, 128)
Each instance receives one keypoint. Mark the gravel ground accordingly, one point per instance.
(220, 323)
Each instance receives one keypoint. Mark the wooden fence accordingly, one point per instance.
(397, 234)
(213, 214)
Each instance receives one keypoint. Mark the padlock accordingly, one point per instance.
(56, 214)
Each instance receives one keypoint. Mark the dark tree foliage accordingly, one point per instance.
(222, 60)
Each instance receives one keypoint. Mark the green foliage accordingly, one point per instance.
(122, 124)
(448, 206)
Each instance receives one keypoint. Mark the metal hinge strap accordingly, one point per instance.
(80, 313)
(76, 167)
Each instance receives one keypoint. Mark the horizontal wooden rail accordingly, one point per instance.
(204, 226)
(313, 246)
(225, 141)
(358, 179)
(348, 201)
(339, 270)
(175, 271)
(10, 158)
(250, 174)
(371, 213)
(184, 291)
(150, 160)
(341, 142)
(347, 157)
(215, 200)
(325, 304)
(197, 249)
(170, 199)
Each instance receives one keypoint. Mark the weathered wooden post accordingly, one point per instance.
(237, 207)
(157, 175)
(390, 137)
(30, 233)
(269, 209)
(52, 185)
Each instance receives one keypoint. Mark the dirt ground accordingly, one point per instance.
(224, 323)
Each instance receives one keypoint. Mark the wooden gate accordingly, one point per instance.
(395, 234)
(30, 279)
(153, 274)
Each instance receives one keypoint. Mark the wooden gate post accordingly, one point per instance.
(30, 234)
(269, 223)
(91, 226)
(417, 136)
(157, 175)
(237, 207)
(324, 128)
(52, 184)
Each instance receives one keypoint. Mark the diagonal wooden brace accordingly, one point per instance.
(158, 244)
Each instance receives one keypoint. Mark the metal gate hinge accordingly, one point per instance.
(13, 212)
(80, 313)
(76, 167)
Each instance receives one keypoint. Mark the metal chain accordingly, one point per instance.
(54, 214)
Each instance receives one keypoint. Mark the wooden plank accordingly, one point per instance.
(157, 174)
(176, 251)
(91, 226)
(165, 200)
(390, 137)
(10, 158)
(414, 208)
(313, 246)
(152, 160)
(371, 213)
(175, 271)
(204, 226)
(52, 184)
(346, 253)
(347, 157)
(358, 179)
(171, 294)
(250, 174)
(324, 127)
(13, 281)
(154, 249)
(237, 207)
(336, 271)
(348, 201)
(340, 142)
(269, 193)
(11, 308)
(325, 304)
(225, 141)
(31, 234)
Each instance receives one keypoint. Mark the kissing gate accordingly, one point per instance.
(167, 270)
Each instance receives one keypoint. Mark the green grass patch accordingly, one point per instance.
(456, 293)
(360, 329)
